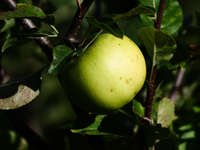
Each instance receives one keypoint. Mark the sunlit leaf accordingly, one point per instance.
(28, 11)
(159, 45)
(20, 91)
(163, 111)
(137, 107)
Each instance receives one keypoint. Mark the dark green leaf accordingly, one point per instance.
(20, 91)
(181, 65)
(6, 24)
(163, 111)
(26, 36)
(39, 33)
(134, 12)
(28, 11)
(112, 124)
(62, 55)
(12, 41)
(107, 24)
(172, 15)
(159, 45)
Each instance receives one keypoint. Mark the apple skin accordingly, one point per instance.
(106, 76)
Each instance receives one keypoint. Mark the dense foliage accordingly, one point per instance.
(163, 115)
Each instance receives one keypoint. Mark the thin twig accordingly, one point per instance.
(150, 87)
(178, 84)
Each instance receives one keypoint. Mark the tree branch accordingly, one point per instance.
(29, 26)
(78, 18)
(177, 84)
(20, 126)
(150, 87)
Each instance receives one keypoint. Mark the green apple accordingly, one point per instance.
(106, 76)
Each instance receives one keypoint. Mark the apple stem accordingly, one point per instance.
(92, 40)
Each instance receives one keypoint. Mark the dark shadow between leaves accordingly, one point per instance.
(118, 124)
(10, 88)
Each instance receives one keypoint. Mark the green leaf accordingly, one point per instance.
(12, 41)
(39, 33)
(137, 107)
(163, 111)
(28, 11)
(107, 24)
(172, 16)
(6, 24)
(113, 124)
(152, 131)
(181, 64)
(62, 55)
(20, 91)
(159, 45)
(134, 12)
(26, 36)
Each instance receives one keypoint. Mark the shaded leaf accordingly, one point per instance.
(172, 16)
(155, 132)
(159, 45)
(28, 11)
(6, 24)
(107, 24)
(181, 64)
(134, 12)
(152, 131)
(26, 36)
(62, 55)
(20, 91)
(113, 124)
(12, 41)
(163, 111)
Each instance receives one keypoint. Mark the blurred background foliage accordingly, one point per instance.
(50, 114)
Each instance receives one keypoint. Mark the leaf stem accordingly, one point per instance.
(92, 40)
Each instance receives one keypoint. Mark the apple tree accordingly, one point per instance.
(60, 58)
